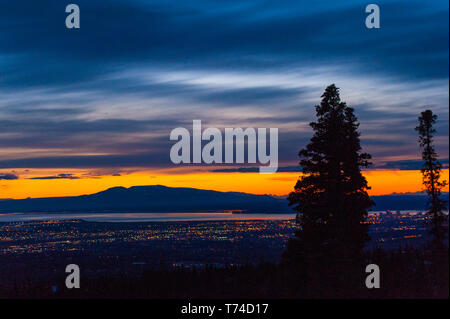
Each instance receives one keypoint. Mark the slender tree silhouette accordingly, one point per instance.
(331, 196)
(431, 172)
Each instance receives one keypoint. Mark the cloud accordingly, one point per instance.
(394, 165)
(409, 164)
(8, 176)
(117, 35)
(90, 161)
(282, 169)
(108, 94)
(59, 176)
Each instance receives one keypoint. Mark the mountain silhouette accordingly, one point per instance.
(403, 202)
(155, 198)
(158, 198)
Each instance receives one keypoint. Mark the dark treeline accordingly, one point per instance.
(405, 273)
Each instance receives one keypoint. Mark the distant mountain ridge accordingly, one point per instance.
(154, 198)
(158, 198)
(403, 202)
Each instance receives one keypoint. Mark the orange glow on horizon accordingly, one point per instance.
(381, 181)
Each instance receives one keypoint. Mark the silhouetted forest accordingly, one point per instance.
(405, 273)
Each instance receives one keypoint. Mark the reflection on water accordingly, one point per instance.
(139, 217)
(167, 217)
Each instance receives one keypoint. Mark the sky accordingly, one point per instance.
(85, 109)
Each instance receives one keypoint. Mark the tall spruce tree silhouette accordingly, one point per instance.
(431, 172)
(331, 196)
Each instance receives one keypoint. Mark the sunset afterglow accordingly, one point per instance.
(82, 182)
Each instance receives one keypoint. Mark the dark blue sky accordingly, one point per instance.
(108, 94)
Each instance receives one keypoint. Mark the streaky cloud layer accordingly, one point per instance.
(108, 95)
